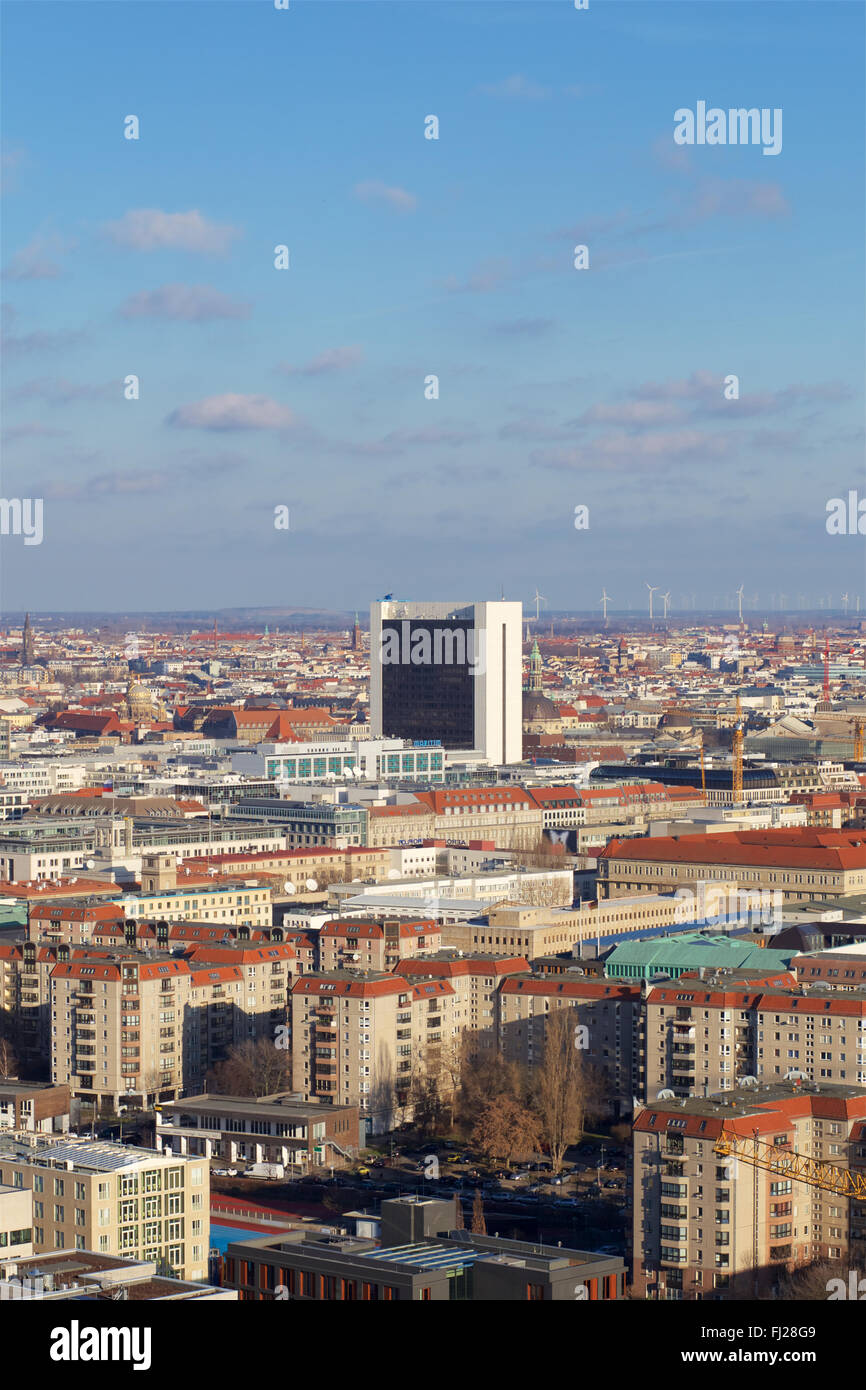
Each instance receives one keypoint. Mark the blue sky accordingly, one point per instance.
(411, 257)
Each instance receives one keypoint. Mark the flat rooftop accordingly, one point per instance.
(279, 1105)
(744, 1102)
(81, 1155)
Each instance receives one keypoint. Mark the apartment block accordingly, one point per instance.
(364, 945)
(366, 1040)
(117, 1026)
(610, 1012)
(476, 981)
(112, 1199)
(69, 924)
(709, 1224)
(704, 1036)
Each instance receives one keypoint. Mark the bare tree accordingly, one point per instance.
(483, 1077)
(566, 1088)
(810, 1283)
(479, 1225)
(252, 1069)
(8, 1059)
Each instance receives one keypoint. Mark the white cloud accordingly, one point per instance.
(374, 191)
(233, 412)
(191, 303)
(332, 360)
(150, 229)
(517, 86)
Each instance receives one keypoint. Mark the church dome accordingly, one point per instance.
(538, 707)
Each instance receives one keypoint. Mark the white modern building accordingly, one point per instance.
(449, 672)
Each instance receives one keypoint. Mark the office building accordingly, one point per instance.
(448, 673)
(421, 1257)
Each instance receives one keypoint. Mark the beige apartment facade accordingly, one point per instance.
(117, 1027)
(607, 1017)
(369, 1040)
(704, 1037)
(710, 1225)
(366, 945)
(112, 1199)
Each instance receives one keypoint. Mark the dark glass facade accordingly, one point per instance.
(434, 700)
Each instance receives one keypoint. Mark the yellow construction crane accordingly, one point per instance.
(737, 777)
(858, 740)
(703, 772)
(787, 1163)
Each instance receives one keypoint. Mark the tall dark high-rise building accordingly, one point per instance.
(448, 672)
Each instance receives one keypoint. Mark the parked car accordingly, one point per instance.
(220, 1172)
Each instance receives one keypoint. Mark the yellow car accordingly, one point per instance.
(363, 1172)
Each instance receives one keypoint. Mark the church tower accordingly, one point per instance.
(28, 646)
(534, 683)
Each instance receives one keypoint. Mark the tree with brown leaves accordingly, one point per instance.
(506, 1129)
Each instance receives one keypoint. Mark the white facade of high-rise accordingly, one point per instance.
(496, 655)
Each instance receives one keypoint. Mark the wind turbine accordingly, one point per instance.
(845, 604)
(653, 588)
(666, 598)
(739, 593)
(605, 600)
(537, 599)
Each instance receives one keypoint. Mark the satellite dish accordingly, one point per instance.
(666, 1095)
(288, 886)
(312, 885)
(91, 864)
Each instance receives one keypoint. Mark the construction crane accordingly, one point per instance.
(703, 772)
(787, 1163)
(858, 740)
(737, 773)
